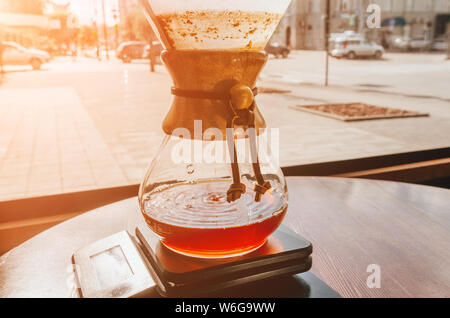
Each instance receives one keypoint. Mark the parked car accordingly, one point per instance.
(129, 51)
(352, 48)
(15, 54)
(277, 50)
(346, 35)
(420, 44)
(400, 43)
(440, 44)
(411, 44)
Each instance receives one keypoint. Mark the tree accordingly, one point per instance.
(87, 36)
(138, 28)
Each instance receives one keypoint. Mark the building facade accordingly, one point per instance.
(22, 21)
(303, 26)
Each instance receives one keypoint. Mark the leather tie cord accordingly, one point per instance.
(205, 94)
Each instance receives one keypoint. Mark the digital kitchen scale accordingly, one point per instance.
(124, 266)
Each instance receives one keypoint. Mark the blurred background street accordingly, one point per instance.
(86, 124)
(80, 108)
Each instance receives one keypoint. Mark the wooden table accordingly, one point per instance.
(402, 228)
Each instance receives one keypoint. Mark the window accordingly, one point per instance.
(91, 119)
(345, 5)
(386, 5)
(398, 6)
(423, 5)
(442, 6)
(409, 5)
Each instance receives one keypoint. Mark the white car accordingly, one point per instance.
(14, 54)
(352, 48)
(440, 45)
(400, 43)
(408, 44)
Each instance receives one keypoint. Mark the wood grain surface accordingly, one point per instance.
(352, 223)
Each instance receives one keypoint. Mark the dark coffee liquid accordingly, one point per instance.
(196, 219)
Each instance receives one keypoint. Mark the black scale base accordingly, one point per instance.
(269, 271)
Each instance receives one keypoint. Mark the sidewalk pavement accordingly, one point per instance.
(307, 138)
(49, 144)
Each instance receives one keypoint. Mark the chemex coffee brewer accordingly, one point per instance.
(214, 196)
(215, 189)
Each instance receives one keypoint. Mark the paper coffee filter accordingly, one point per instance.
(216, 24)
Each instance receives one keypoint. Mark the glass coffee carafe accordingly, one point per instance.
(215, 188)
